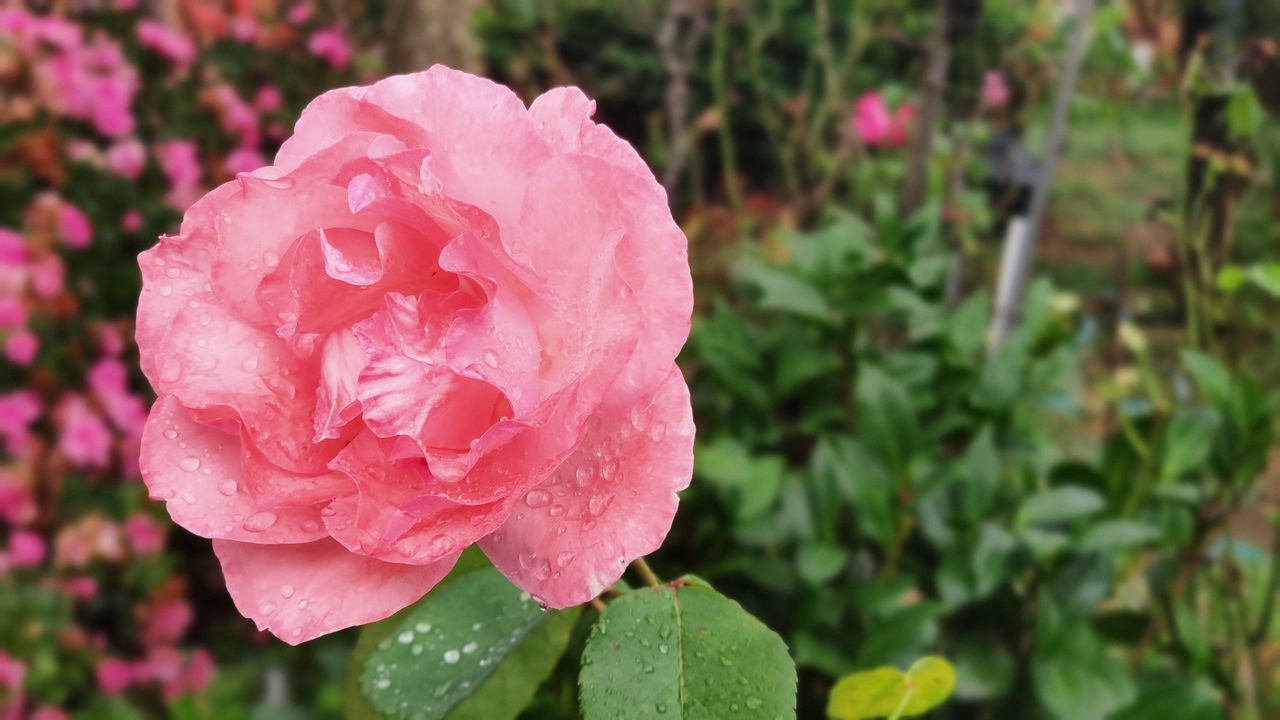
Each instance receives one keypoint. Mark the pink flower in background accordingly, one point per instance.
(871, 118)
(83, 437)
(81, 587)
(13, 313)
(300, 12)
(74, 227)
(21, 347)
(441, 318)
(108, 379)
(131, 221)
(127, 158)
(900, 125)
(875, 125)
(17, 411)
(48, 276)
(330, 45)
(16, 505)
(144, 535)
(268, 99)
(166, 623)
(114, 675)
(244, 29)
(27, 549)
(181, 165)
(995, 91)
(244, 159)
(166, 41)
(49, 713)
(197, 673)
(236, 116)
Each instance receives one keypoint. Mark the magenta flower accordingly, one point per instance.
(166, 41)
(441, 318)
(330, 44)
(74, 226)
(995, 91)
(127, 158)
(871, 118)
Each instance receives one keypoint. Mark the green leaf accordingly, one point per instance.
(1112, 535)
(444, 649)
(505, 694)
(816, 563)
(1077, 680)
(786, 293)
(984, 667)
(355, 706)
(1211, 377)
(684, 651)
(1230, 278)
(887, 424)
(1188, 441)
(1059, 504)
(1267, 277)
(888, 692)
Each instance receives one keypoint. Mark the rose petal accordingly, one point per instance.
(196, 470)
(300, 592)
(609, 503)
(392, 517)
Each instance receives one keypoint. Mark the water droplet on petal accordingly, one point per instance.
(270, 259)
(310, 526)
(286, 591)
(249, 364)
(564, 558)
(189, 463)
(538, 498)
(171, 434)
(556, 510)
(227, 487)
(260, 521)
(658, 431)
(490, 358)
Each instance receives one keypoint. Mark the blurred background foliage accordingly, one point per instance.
(1081, 517)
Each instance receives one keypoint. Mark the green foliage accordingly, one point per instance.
(889, 692)
(684, 651)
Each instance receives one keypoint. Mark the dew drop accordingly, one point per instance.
(405, 637)
(171, 434)
(538, 498)
(310, 526)
(582, 475)
(286, 591)
(423, 627)
(267, 607)
(469, 648)
(416, 649)
(171, 370)
(270, 259)
(452, 656)
(754, 702)
(329, 511)
(556, 510)
(490, 358)
(564, 558)
(188, 498)
(260, 521)
(190, 463)
(249, 364)
(658, 431)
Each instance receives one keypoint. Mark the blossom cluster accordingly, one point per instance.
(114, 120)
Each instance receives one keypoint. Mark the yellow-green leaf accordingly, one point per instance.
(888, 692)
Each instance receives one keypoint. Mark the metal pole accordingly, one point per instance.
(1020, 242)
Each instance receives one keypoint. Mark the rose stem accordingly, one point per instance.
(646, 574)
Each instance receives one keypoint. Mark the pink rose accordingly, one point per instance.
(127, 158)
(167, 42)
(21, 347)
(144, 534)
(441, 318)
(83, 437)
(114, 675)
(995, 90)
(27, 549)
(74, 226)
(330, 44)
(871, 118)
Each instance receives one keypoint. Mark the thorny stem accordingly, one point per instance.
(645, 572)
